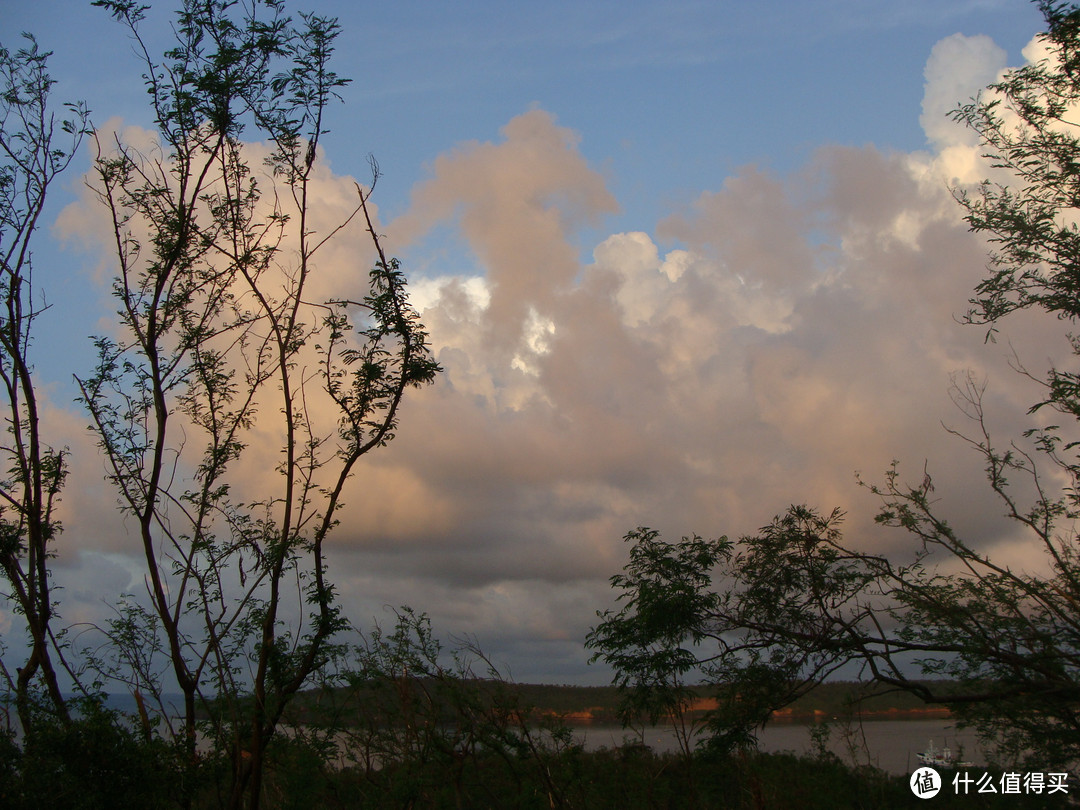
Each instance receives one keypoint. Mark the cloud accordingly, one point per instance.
(958, 69)
(804, 328)
(516, 202)
(769, 340)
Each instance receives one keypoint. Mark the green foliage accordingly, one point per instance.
(796, 602)
(666, 613)
(1028, 623)
(1025, 124)
(634, 778)
(93, 762)
(422, 726)
(676, 622)
(35, 149)
(217, 335)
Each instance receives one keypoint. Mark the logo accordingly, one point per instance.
(925, 783)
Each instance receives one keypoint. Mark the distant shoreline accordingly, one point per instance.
(817, 715)
(597, 705)
(783, 716)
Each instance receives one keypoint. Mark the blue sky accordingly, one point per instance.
(668, 98)
(757, 267)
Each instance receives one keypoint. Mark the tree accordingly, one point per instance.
(432, 724)
(217, 335)
(667, 604)
(796, 602)
(761, 640)
(35, 148)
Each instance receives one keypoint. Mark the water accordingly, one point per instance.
(891, 745)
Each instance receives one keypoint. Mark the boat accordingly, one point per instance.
(941, 759)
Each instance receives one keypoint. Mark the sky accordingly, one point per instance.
(683, 264)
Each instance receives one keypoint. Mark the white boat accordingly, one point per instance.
(941, 759)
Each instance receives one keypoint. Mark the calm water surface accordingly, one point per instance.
(889, 744)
